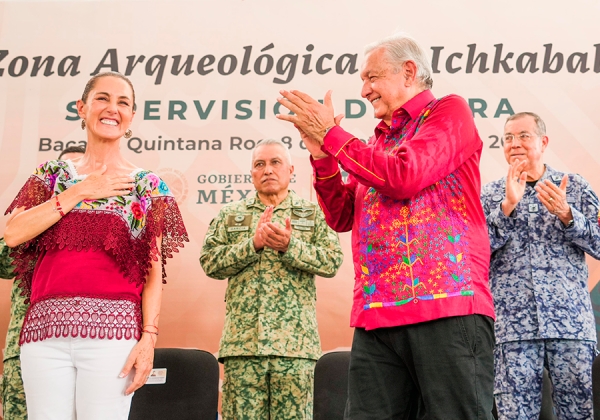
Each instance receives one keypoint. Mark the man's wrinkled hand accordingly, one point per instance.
(516, 181)
(259, 240)
(276, 236)
(311, 117)
(555, 198)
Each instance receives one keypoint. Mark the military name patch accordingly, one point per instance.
(238, 222)
(303, 218)
(237, 228)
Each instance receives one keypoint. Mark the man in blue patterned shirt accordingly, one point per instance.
(541, 224)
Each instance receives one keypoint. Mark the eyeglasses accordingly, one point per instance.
(508, 138)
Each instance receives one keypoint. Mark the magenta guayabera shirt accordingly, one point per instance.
(419, 237)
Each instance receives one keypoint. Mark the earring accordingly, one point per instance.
(83, 124)
(128, 133)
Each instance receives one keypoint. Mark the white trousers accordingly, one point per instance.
(76, 378)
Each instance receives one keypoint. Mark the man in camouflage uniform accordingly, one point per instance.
(11, 388)
(541, 223)
(270, 246)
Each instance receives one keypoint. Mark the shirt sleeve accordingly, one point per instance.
(221, 259)
(38, 188)
(163, 218)
(322, 257)
(446, 140)
(585, 231)
(500, 227)
(335, 197)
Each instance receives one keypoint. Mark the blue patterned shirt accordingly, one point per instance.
(538, 273)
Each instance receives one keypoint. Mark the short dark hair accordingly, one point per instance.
(541, 127)
(72, 149)
(92, 82)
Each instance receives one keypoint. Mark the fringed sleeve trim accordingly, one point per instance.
(33, 193)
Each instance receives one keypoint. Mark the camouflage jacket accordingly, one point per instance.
(6, 267)
(538, 272)
(271, 296)
(18, 308)
(17, 304)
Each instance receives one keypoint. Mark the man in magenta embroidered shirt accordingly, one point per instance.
(422, 312)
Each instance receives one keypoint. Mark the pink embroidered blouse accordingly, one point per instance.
(84, 275)
(419, 237)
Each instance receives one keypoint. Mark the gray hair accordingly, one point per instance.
(401, 48)
(541, 126)
(267, 142)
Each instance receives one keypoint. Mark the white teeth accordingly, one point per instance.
(109, 122)
(375, 100)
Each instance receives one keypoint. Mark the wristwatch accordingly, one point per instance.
(570, 224)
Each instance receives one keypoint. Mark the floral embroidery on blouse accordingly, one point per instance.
(414, 250)
(148, 212)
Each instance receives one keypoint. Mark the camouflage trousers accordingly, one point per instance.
(13, 394)
(519, 370)
(268, 388)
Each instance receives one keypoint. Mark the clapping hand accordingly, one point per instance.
(311, 119)
(516, 180)
(272, 235)
(259, 240)
(555, 198)
(276, 236)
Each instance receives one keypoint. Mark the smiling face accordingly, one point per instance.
(386, 89)
(271, 171)
(522, 142)
(108, 109)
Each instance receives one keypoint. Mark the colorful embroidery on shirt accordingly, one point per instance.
(414, 249)
(58, 177)
(147, 212)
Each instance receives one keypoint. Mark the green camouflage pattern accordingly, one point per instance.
(13, 394)
(18, 308)
(271, 296)
(11, 388)
(272, 387)
(6, 267)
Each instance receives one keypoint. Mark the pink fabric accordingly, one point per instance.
(84, 275)
(68, 272)
(419, 238)
(101, 229)
(81, 316)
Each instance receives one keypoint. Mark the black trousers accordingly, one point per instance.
(442, 369)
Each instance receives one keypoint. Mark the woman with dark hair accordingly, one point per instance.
(91, 237)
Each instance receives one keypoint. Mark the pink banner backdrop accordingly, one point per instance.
(207, 75)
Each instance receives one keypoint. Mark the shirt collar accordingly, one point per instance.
(552, 174)
(549, 173)
(291, 200)
(415, 105)
(412, 107)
